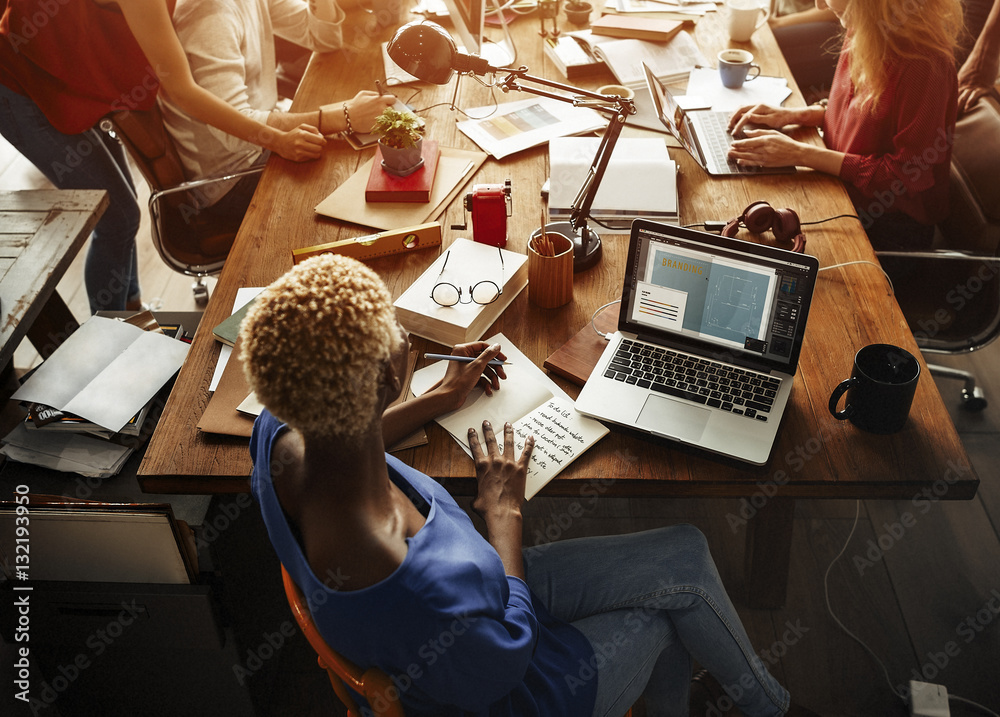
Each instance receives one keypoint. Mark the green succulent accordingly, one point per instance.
(398, 129)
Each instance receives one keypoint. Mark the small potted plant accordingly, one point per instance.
(400, 140)
(578, 12)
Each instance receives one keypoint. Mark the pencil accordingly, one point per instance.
(464, 359)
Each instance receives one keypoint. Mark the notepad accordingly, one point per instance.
(535, 406)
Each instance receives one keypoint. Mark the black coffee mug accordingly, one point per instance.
(880, 389)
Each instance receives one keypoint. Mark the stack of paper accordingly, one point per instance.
(103, 379)
(640, 181)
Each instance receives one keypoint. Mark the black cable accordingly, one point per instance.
(830, 219)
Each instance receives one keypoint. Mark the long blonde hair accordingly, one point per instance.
(883, 32)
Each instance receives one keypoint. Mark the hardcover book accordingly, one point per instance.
(465, 263)
(416, 187)
(638, 28)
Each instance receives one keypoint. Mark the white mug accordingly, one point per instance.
(743, 18)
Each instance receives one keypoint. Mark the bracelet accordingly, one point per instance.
(347, 118)
(320, 122)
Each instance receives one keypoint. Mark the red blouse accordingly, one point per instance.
(897, 159)
(75, 59)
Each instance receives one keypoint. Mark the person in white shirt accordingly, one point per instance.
(230, 47)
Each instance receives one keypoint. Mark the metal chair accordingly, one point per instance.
(372, 683)
(950, 295)
(191, 241)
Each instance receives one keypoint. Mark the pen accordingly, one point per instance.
(378, 86)
(463, 359)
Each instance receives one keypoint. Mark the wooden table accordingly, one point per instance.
(41, 232)
(816, 455)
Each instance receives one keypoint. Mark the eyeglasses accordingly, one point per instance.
(485, 292)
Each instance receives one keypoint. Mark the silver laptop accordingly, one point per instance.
(703, 133)
(708, 340)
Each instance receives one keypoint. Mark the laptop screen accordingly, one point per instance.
(725, 298)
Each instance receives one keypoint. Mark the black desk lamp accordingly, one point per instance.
(427, 52)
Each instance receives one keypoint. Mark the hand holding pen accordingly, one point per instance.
(472, 364)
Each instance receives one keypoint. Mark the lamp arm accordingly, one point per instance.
(618, 107)
(588, 192)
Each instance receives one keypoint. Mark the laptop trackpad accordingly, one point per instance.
(681, 420)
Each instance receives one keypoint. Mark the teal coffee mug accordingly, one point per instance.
(736, 67)
(880, 389)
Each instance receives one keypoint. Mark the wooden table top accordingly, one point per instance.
(41, 231)
(816, 455)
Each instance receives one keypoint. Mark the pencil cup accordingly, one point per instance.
(550, 278)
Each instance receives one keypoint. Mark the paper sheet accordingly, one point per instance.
(704, 83)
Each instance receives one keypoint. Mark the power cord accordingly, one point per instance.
(892, 289)
(885, 671)
(594, 316)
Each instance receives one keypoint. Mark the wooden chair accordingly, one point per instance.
(373, 684)
(950, 295)
(190, 241)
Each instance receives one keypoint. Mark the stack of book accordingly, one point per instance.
(640, 181)
(468, 263)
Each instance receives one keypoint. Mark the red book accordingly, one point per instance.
(385, 187)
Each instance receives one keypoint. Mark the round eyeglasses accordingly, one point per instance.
(484, 292)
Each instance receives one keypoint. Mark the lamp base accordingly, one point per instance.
(587, 249)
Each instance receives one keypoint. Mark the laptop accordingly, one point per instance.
(708, 341)
(703, 133)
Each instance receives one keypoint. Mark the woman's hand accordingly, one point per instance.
(766, 148)
(301, 144)
(500, 476)
(774, 117)
(460, 378)
(365, 106)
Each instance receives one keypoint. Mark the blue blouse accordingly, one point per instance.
(456, 634)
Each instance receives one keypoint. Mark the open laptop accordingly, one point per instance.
(703, 133)
(708, 340)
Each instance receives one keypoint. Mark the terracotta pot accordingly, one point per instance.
(579, 13)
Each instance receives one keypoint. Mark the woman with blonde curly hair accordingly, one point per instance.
(395, 572)
(889, 124)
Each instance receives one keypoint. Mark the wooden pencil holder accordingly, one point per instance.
(550, 278)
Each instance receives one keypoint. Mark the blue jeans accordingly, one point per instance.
(648, 603)
(90, 160)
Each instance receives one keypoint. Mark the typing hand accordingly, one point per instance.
(500, 476)
(766, 148)
(300, 144)
(758, 116)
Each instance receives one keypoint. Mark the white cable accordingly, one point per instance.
(826, 594)
(593, 316)
(892, 289)
(985, 709)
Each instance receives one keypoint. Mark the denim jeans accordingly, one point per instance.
(89, 160)
(649, 602)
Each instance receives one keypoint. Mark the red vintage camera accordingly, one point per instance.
(490, 205)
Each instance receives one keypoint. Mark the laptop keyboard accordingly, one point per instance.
(713, 133)
(688, 377)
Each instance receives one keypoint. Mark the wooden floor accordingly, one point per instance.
(919, 581)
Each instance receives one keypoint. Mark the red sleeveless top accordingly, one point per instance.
(75, 59)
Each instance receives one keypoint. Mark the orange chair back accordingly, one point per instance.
(379, 691)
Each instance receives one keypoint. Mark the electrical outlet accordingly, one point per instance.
(928, 700)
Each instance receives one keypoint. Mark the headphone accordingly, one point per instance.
(760, 216)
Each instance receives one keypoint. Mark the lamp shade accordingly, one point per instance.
(425, 50)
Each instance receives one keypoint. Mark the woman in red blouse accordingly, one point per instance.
(890, 120)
